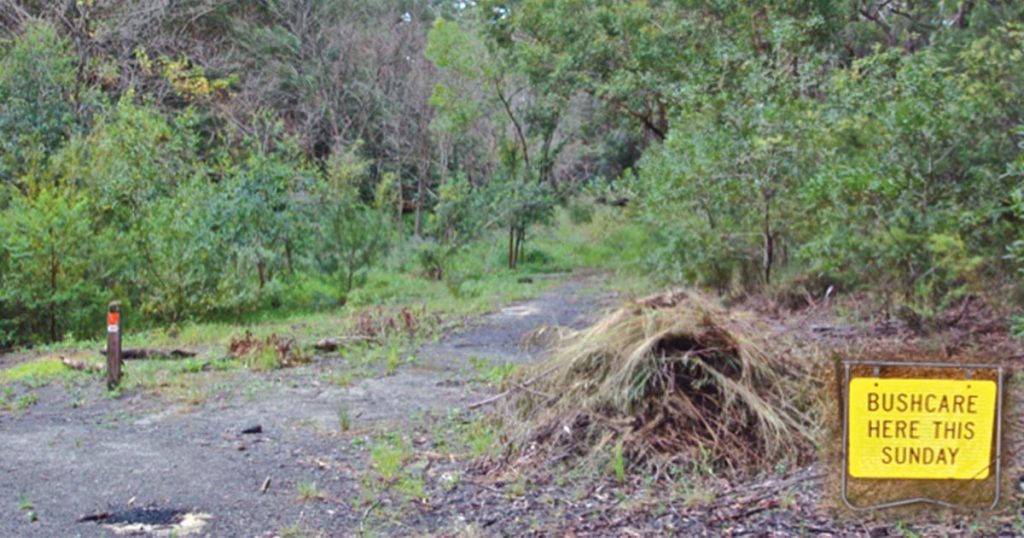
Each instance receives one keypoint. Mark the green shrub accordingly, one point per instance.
(48, 286)
(351, 241)
(581, 212)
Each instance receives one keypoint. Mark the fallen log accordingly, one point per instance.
(153, 354)
(81, 366)
(336, 342)
(144, 353)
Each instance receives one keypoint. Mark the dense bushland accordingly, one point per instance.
(870, 145)
(216, 159)
(892, 170)
(118, 199)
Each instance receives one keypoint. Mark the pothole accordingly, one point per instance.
(151, 521)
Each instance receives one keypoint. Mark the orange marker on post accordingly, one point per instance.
(113, 345)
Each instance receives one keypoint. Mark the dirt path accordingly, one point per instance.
(137, 459)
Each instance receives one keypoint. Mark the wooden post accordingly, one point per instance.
(113, 345)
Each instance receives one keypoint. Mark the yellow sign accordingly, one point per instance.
(921, 428)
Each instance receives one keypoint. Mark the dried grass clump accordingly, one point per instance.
(266, 354)
(674, 378)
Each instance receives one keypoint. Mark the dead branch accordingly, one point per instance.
(81, 366)
(517, 387)
(143, 353)
(154, 354)
(334, 343)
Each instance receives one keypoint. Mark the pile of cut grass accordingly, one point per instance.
(672, 379)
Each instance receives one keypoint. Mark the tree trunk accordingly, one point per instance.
(769, 242)
(520, 238)
(54, 270)
(515, 123)
(288, 258)
(511, 246)
(443, 178)
(401, 196)
(421, 187)
(443, 172)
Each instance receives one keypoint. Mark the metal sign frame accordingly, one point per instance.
(969, 372)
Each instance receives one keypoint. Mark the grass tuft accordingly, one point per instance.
(344, 417)
(307, 491)
(388, 456)
(36, 372)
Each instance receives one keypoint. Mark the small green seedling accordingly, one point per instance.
(26, 505)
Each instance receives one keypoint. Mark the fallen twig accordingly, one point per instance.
(517, 387)
(333, 343)
(765, 490)
(773, 486)
(98, 516)
(492, 489)
(524, 388)
(362, 520)
(745, 514)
